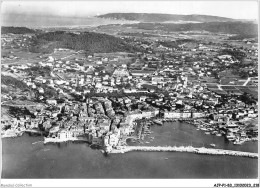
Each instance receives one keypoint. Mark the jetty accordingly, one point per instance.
(189, 149)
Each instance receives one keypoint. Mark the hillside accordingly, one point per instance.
(11, 81)
(242, 28)
(16, 30)
(88, 41)
(147, 17)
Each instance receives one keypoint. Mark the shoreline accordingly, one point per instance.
(55, 140)
(189, 149)
(16, 133)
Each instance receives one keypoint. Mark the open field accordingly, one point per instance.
(23, 57)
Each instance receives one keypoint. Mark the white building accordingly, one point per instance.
(176, 115)
(51, 102)
(121, 72)
(65, 135)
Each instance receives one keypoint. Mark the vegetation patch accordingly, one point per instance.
(87, 41)
(16, 30)
(11, 81)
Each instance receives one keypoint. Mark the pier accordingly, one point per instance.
(189, 149)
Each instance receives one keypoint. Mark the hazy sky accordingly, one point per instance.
(233, 9)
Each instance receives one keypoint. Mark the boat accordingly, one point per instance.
(230, 137)
(218, 134)
(214, 132)
(166, 158)
(207, 132)
(20, 134)
(37, 142)
(237, 143)
(147, 142)
(213, 145)
(158, 122)
(204, 129)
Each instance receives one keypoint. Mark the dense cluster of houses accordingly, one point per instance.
(114, 89)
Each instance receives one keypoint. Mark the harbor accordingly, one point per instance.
(234, 133)
(185, 134)
(21, 154)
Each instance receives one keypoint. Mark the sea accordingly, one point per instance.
(39, 22)
(27, 157)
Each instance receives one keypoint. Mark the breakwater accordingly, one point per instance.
(190, 149)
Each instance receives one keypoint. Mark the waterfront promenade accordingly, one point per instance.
(58, 140)
(190, 149)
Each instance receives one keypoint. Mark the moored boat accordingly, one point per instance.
(218, 134)
(158, 122)
(212, 145)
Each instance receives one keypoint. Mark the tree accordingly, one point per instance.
(247, 98)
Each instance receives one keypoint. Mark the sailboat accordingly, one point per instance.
(213, 145)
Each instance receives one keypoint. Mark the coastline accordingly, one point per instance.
(16, 133)
(130, 165)
(55, 140)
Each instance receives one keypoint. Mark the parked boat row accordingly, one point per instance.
(169, 120)
(237, 136)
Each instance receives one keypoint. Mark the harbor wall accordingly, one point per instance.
(205, 151)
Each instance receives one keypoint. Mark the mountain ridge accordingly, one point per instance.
(241, 28)
(16, 30)
(157, 17)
